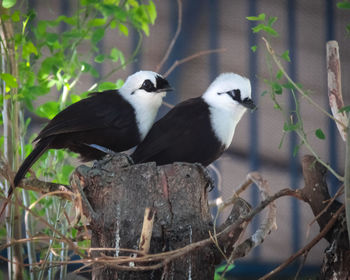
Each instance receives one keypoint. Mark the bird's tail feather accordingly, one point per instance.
(39, 149)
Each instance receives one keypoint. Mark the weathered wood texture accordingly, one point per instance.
(336, 261)
(119, 193)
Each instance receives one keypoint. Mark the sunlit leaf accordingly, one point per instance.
(152, 12)
(258, 18)
(106, 86)
(254, 48)
(9, 80)
(7, 4)
(123, 29)
(48, 110)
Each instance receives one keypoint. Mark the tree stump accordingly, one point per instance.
(119, 193)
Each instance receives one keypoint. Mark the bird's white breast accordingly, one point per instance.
(146, 113)
(224, 123)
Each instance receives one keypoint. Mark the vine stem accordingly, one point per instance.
(305, 95)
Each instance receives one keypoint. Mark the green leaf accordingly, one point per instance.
(271, 21)
(106, 86)
(16, 16)
(28, 49)
(254, 48)
(97, 35)
(41, 28)
(344, 109)
(319, 134)
(7, 4)
(100, 58)
(48, 110)
(343, 5)
(123, 29)
(258, 18)
(97, 22)
(119, 83)
(51, 38)
(279, 75)
(277, 88)
(10, 81)
(116, 54)
(152, 12)
(288, 85)
(270, 30)
(75, 98)
(285, 56)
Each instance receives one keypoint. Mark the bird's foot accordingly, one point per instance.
(210, 182)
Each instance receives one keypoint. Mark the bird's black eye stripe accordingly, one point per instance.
(148, 86)
(235, 94)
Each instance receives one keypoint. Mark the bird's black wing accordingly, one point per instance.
(178, 136)
(100, 110)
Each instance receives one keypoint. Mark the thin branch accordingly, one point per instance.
(173, 41)
(312, 243)
(186, 59)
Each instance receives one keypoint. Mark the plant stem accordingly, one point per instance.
(302, 92)
(11, 134)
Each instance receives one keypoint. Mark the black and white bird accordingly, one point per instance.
(200, 129)
(116, 120)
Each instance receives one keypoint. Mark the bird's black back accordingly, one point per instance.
(184, 134)
(105, 119)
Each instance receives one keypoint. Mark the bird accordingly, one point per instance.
(199, 129)
(115, 120)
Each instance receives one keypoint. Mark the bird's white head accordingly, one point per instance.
(145, 90)
(228, 97)
(230, 91)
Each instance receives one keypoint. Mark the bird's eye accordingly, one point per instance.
(237, 95)
(148, 86)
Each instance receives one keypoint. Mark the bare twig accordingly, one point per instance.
(186, 59)
(266, 226)
(334, 86)
(173, 41)
(312, 243)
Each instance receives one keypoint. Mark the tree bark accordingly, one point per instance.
(336, 261)
(119, 193)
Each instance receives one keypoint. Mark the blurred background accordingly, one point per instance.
(304, 27)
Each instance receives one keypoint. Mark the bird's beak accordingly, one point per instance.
(249, 104)
(167, 89)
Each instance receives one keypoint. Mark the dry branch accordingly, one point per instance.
(335, 95)
(308, 247)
